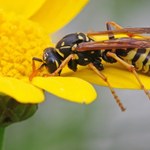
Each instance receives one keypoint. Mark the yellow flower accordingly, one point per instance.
(52, 15)
(20, 40)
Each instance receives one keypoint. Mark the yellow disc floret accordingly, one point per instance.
(20, 40)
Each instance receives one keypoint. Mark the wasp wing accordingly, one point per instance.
(122, 43)
(128, 31)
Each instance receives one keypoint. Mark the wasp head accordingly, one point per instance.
(51, 59)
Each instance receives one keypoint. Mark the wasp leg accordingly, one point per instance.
(109, 26)
(63, 64)
(34, 70)
(131, 68)
(104, 78)
(113, 24)
(117, 27)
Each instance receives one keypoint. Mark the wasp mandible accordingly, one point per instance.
(81, 49)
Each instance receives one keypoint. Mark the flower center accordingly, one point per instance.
(20, 40)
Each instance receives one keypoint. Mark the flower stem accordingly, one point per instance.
(2, 130)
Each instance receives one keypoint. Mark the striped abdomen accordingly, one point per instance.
(140, 58)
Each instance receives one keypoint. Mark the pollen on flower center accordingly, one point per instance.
(20, 40)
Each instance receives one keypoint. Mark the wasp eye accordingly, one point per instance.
(45, 55)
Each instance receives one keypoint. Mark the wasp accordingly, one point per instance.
(81, 49)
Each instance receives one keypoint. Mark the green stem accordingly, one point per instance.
(2, 130)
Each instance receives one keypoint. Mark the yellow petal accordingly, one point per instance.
(25, 8)
(118, 76)
(72, 89)
(21, 91)
(54, 14)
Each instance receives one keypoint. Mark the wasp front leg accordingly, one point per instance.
(131, 68)
(63, 64)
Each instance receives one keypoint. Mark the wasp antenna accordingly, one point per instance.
(32, 75)
(35, 71)
(118, 101)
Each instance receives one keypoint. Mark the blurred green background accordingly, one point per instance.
(61, 125)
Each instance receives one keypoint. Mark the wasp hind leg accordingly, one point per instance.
(131, 68)
(104, 78)
(109, 26)
(116, 26)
